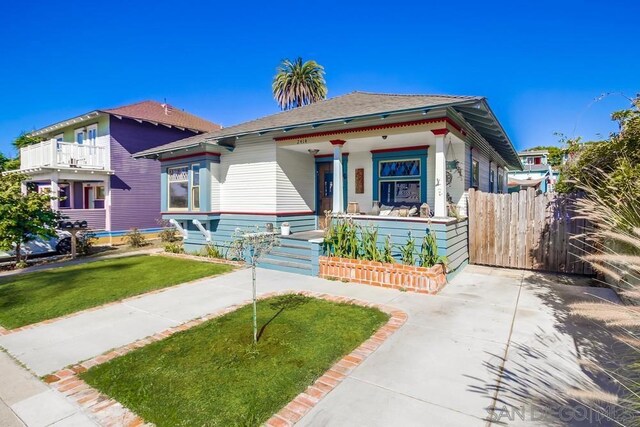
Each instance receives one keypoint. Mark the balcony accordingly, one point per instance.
(56, 154)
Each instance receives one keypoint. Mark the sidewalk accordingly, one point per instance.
(458, 354)
(26, 401)
(77, 261)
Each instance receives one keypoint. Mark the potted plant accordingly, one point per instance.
(285, 229)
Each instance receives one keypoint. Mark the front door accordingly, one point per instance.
(325, 191)
(89, 198)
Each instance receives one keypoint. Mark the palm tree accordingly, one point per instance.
(296, 83)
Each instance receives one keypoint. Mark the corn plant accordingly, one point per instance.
(386, 251)
(341, 239)
(407, 251)
(428, 256)
(369, 244)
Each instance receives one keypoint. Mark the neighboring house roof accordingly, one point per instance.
(362, 105)
(149, 111)
(534, 168)
(163, 113)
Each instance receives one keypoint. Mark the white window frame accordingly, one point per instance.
(93, 127)
(169, 182)
(69, 186)
(475, 182)
(79, 131)
(195, 167)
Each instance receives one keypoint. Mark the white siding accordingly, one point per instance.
(356, 161)
(248, 177)
(295, 181)
(215, 186)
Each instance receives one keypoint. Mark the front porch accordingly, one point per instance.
(81, 196)
(387, 172)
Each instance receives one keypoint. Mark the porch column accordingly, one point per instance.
(338, 198)
(440, 196)
(23, 188)
(107, 204)
(55, 192)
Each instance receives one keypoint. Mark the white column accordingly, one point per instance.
(55, 192)
(338, 198)
(107, 203)
(23, 187)
(440, 199)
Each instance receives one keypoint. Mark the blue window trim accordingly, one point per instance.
(205, 183)
(345, 186)
(400, 155)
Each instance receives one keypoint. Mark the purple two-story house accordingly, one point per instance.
(87, 161)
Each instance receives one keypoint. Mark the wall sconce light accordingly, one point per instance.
(384, 136)
(313, 151)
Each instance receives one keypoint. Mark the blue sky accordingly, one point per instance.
(540, 64)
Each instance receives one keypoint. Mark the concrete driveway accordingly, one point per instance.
(492, 342)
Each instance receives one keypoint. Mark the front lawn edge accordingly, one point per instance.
(109, 411)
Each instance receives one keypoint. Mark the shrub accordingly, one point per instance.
(212, 251)
(174, 248)
(85, 241)
(134, 238)
(387, 255)
(169, 235)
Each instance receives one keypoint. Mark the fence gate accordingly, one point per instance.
(527, 231)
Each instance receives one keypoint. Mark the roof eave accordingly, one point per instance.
(319, 123)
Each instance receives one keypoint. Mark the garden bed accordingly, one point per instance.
(429, 280)
(212, 374)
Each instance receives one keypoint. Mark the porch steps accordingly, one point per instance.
(291, 256)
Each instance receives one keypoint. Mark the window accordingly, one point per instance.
(500, 181)
(475, 173)
(492, 179)
(79, 136)
(195, 187)
(100, 192)
(399, 182)
(178, 180)
(92, 134)
(64, 195)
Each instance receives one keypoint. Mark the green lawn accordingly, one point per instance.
(212, 374)
(33, 297)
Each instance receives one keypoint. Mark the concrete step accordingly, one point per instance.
(286, 266)
(287, 256)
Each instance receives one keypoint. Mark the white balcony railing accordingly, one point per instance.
(53, 154)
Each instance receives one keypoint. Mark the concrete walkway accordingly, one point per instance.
(491, 338)
(26, 401)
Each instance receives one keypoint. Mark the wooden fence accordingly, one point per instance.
(527, 231)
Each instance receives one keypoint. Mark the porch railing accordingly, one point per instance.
(54, 153)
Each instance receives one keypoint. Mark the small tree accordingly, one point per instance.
(251, 246)
(23, 217)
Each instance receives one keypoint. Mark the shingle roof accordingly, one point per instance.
(357, 105)
(354, 104)
(163, 113)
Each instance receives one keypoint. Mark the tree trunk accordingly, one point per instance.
(18, 253)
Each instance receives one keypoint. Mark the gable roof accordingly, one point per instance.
(149, 111)
(153, 111)
(359, 105)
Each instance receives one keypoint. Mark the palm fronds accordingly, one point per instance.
(298, 83)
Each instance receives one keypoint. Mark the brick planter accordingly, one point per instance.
(397, 276)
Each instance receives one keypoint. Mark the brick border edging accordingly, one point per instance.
(111, 412)
(410, 278)
(4, 331)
